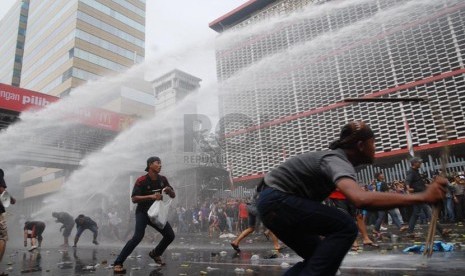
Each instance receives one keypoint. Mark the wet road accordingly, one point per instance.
(216, 257)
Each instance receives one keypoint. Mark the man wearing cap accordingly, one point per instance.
(147, 189)
(416, 183)
(3, 228)
(291, 207)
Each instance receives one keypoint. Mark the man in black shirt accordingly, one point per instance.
(67, 224)
(416, 183)
(146, 191)
(83, 223)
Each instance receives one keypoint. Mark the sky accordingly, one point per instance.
(172, 23)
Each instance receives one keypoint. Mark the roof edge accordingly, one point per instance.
(238, 14)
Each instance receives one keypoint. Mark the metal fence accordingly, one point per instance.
(238, 192)
(399, 170)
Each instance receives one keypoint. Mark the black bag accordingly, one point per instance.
(252, 208)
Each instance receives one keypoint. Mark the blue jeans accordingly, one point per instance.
(142, 220)
(299, 222)
(92, 228)
(382, 215)
(449, 209)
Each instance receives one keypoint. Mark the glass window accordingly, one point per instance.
(120, 17)
(110, 29)
(92, 58)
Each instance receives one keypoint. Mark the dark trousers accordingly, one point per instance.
(39, 229)
(299, 222)
(371, 217)
(142, 220)
(92, 228)
(417, 209)
(460, 207)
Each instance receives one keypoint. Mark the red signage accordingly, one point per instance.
(104, 119)
(19, 100)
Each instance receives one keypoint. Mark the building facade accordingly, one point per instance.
(286, 67)
(69, 42)
(13, 33)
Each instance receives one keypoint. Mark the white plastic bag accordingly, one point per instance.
(158, 212)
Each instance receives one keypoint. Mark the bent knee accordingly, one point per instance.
(170, 237)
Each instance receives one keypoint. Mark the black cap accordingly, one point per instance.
(416, 160)
(150, 161)
(351, 133)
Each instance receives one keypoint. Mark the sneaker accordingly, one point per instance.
(403, 228)
(383, 228)
(32, 247)
(157, 259)
(235, 247)
(95, 242)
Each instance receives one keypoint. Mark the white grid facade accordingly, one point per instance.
(287, 79)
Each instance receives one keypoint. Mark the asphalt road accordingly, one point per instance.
(199, 255)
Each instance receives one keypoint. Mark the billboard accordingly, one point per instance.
(18, 99)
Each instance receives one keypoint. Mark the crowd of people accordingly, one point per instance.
(452, 209)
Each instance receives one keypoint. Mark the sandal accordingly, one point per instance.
(235, 247)
(119, 269)
(157, 259)
(371, 244)
(354, 248)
